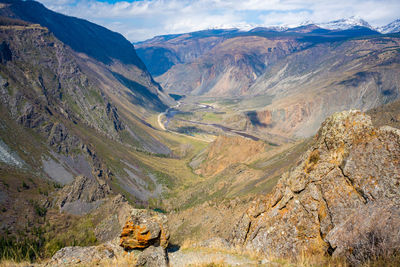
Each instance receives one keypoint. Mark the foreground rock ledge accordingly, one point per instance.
(143, 229)
(350, 177)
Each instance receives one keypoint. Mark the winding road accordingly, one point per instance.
(202, 106)
(162, 126)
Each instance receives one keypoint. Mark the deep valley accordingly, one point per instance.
(221, 147)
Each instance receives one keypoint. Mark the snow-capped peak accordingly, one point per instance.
(344, 24)
(306, 22)
(392, 27)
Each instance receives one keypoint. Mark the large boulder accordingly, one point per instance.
(143, 240)
(351, 175)
(144, 228)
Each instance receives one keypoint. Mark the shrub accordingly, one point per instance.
(24, 185)
(375, 247)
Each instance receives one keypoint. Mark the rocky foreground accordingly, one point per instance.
(143, 242)
(341, 200)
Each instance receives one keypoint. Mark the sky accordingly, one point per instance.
(139, 20)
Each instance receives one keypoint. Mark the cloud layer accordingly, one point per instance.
(143, 19)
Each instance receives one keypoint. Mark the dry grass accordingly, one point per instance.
(127, 260)
(302, 260)
(214, 257)
(10, 263)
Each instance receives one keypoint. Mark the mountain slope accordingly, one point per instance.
(228, 69)
(392, 27)
(44, 90)
(312, 84)
(162, 52)
(63, 115)
(95, 41)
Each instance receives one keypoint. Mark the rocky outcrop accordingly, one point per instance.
(109, 254)
(350, 176)
(114, 213)
(83, 195)
(143, 240)
(143, 229)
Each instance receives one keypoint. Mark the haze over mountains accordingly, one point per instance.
(197, 145)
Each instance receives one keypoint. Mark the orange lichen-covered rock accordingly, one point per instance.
(143, 229)
(350, 175)
(135, 236)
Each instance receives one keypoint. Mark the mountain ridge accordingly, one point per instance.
(245, 65)
(81, 35)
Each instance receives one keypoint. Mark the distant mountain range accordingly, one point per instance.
(351, 22)
(345, 24)
(340, 24)
(307, 72)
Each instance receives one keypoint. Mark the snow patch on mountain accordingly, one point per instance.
(344, 24)
(392, 27)
(9, 157)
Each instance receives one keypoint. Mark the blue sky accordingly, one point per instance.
(138, 20)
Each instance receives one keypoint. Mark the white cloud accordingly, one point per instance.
(144, 19)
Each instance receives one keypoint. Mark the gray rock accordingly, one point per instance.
(372, 231)
(153, 257)
(80, 255)
(83, 195)
(56, 171)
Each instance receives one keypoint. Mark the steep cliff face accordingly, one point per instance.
(43, 80)
(349, 176)
(229, 68)
(162, 52)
